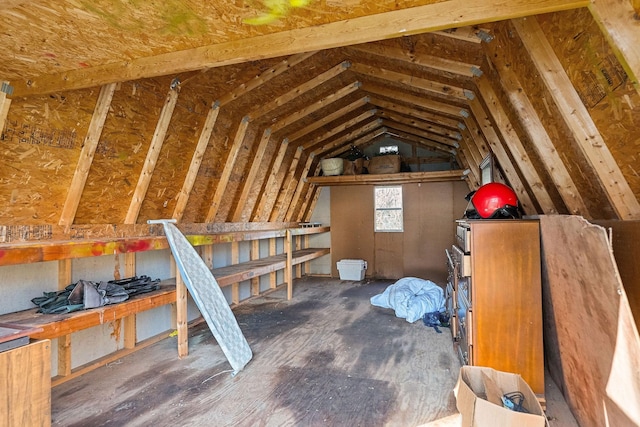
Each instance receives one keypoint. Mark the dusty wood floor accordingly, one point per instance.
(325, 358)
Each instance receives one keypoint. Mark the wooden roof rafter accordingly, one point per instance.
(411, 126)
(357, 29)
(452, 111)
(428, 125)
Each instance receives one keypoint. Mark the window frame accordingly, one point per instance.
(376, 209)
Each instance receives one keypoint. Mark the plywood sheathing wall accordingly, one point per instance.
(468, 95)
(591, 340)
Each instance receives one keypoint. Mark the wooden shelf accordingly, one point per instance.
(246, 270)
(390, 178)
(61, 326)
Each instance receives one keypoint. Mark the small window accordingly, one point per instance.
(388, 209)
(389, 149)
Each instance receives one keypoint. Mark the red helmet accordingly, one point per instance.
(493, 200)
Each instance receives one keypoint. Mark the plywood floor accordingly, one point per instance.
(325, 358)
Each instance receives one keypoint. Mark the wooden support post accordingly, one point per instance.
(305, 244)
(64, 342)
(181, 317)
(235, 259)
(255, 254)
(288, 271)
(130, 334)
(273, 276)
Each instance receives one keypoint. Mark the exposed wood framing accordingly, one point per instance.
(263, 78)
(436, 16)
(196, 161)
(297, 193)
(430, 86)
(303, 88)
(152, 156)
(284, 191)
(503, 157)
(261, 212)
(619, 21)
(256, 165)
(543, 145)
(228, 168)
(577, 118)
(322, 103)
(86, 155)
(515, 147)
(330, 117)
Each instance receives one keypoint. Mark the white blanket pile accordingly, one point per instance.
(411, 298)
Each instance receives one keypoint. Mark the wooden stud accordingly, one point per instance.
(424, 60)
(267, 192)
(407, 119)
(273, 276)
(435, 106)
(311, 108)
(196, 161)
(235, 259)
(65, 278)
(427, 116)
(288, 275)
(577, 118)
(514, 145)
(130, 333)
(618, 20)
(307, 86)
(86, 155)
(503, 158)
(287, 214)
(534, 128)
(255, 254)
(256, 164)
(317, 124)
(285, 186)
(228, 169)
(264, 77)
(429, 86)
(335, 130)
(152, 157)
(181, 316)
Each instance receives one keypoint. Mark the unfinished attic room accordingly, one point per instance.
(320, 213)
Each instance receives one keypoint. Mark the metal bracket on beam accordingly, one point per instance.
(484, 36)
(461, 126)
(477, 72)
(6, 88)
(175, 83)
(469, 94)
(464, 113)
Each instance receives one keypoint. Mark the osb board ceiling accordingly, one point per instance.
(222, 130)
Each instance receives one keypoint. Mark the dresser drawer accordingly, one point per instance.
(462, 260)
(463, 236)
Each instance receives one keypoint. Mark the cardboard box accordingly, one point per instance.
(479, 394)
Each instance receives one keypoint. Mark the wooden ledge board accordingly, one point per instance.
(57, 325)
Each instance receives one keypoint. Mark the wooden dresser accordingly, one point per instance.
(494, 297)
